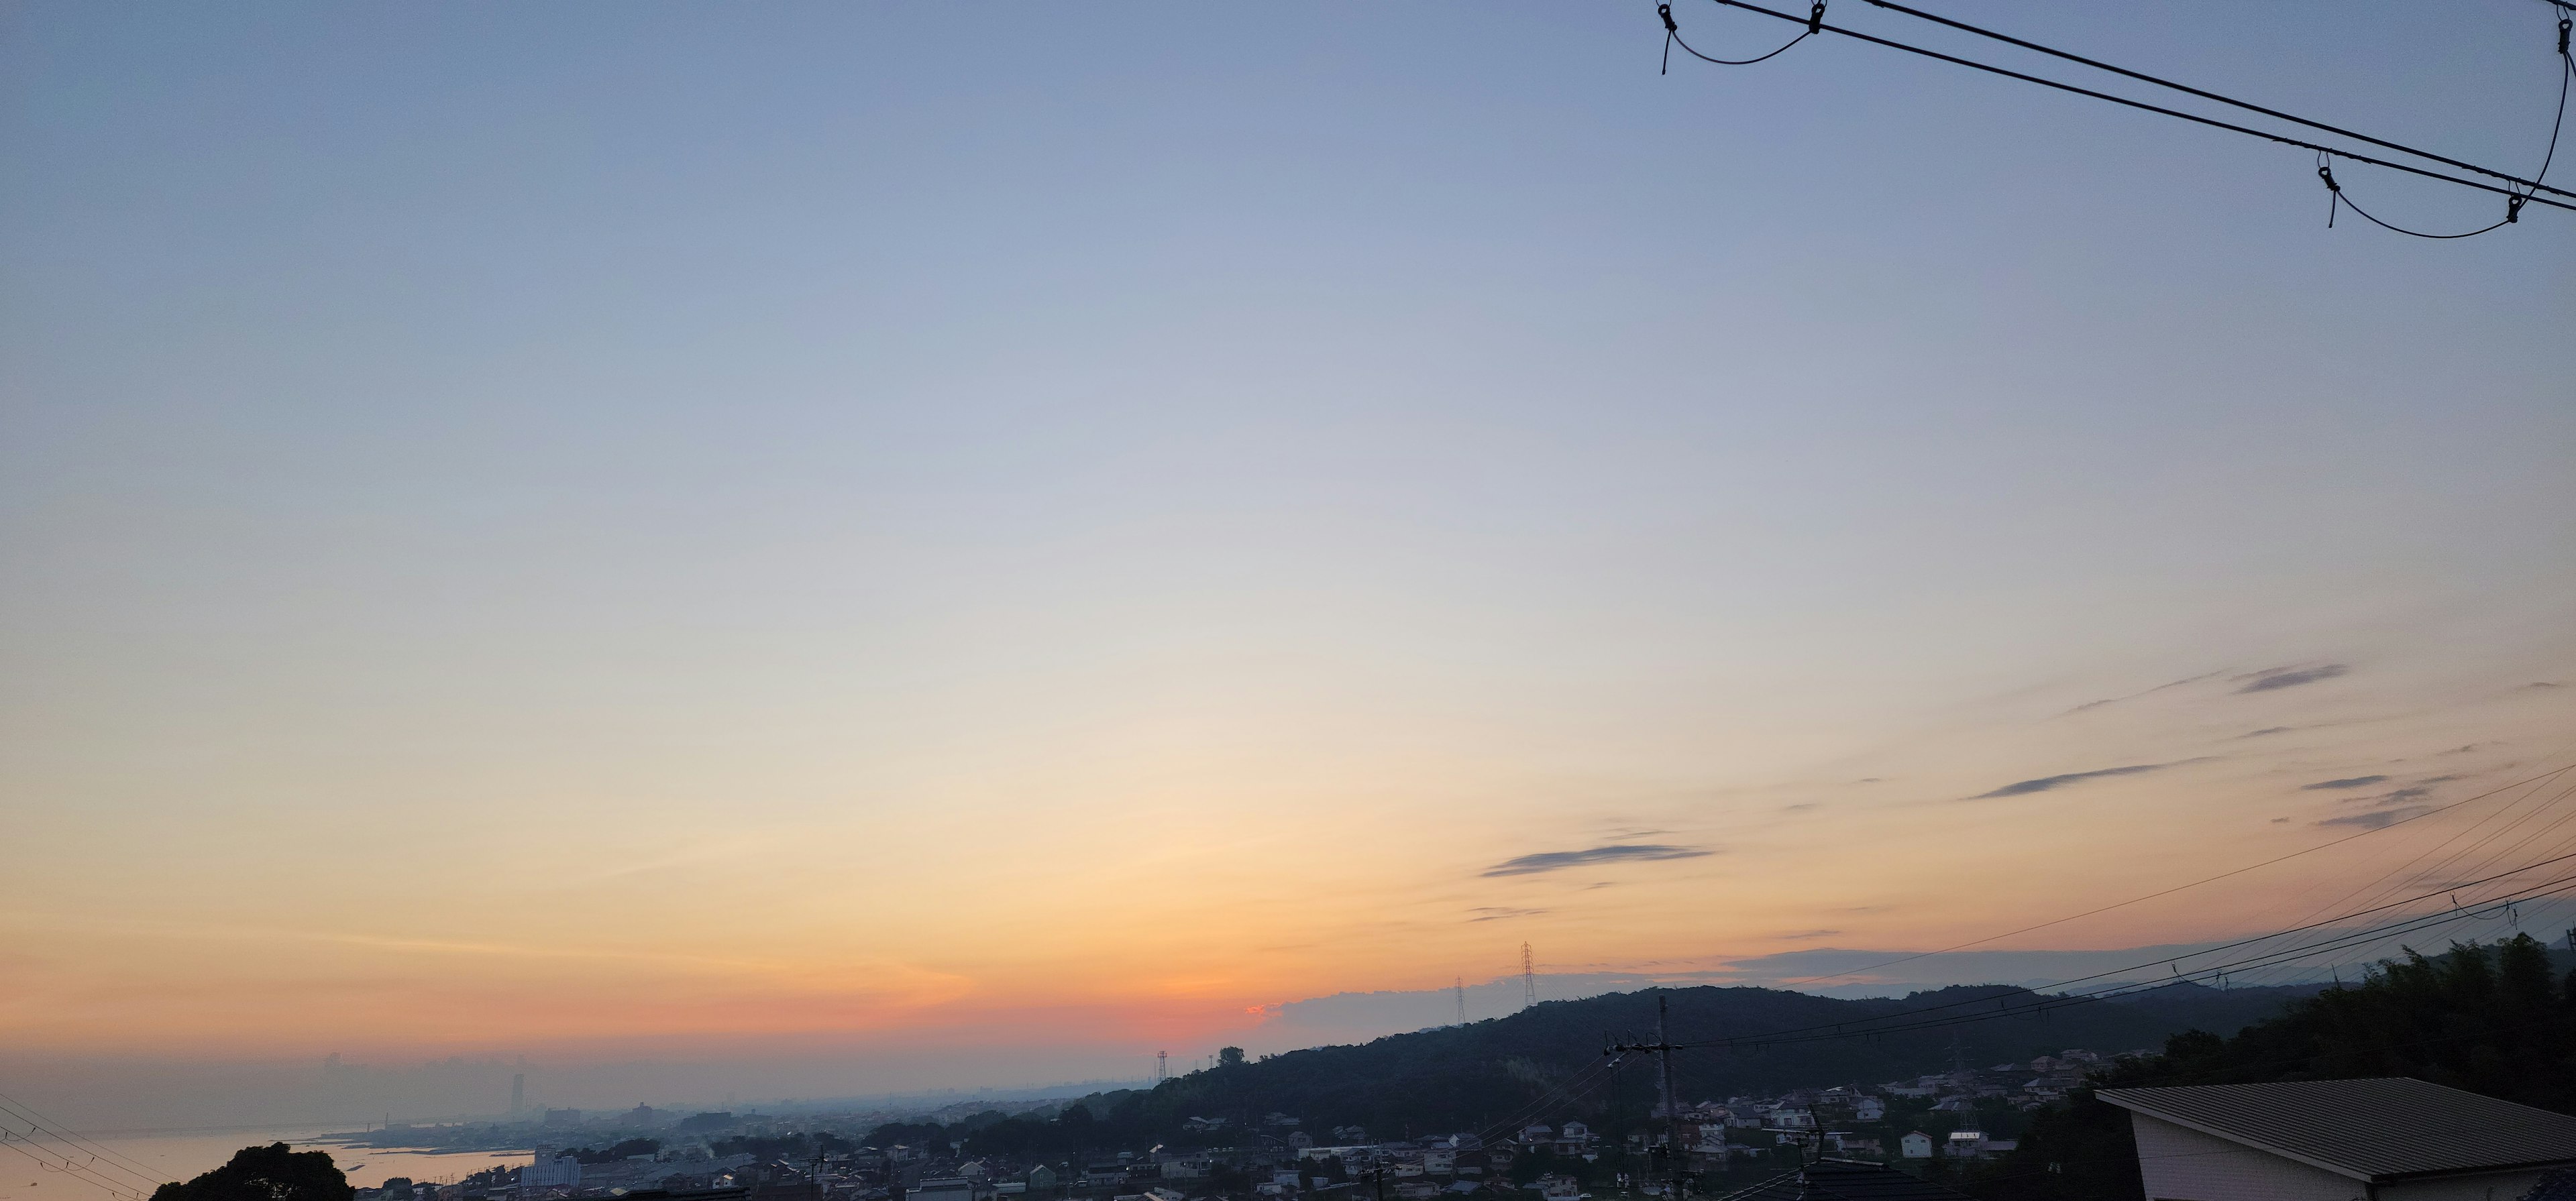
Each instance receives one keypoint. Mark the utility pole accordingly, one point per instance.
(1672, 1098)
(1668, 1095)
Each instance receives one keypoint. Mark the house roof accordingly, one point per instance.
(2368, 1130)
(1845, 1180)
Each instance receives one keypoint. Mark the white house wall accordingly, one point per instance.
(2178, 1164)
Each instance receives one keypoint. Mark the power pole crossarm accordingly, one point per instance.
(1670, 1096)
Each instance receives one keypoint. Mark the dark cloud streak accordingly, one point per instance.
(2046, 783)
(2271, 678)
(2378, 819)
(1549, 861)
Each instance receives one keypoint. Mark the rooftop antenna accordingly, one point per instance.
(1529, 979)
(1459, 985)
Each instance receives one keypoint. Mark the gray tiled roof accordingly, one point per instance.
(1845, 1180)
(2366, 1129)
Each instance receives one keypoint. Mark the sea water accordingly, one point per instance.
(134, 1162)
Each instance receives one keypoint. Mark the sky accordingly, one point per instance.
(827, 549)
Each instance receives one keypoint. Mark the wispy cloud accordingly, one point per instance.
(2346, 782)
(2271, 678)
(2046, 783)
(2267, 731)
(2113, 700)
(1498, 913)
(1549, 861)
(1805, 934)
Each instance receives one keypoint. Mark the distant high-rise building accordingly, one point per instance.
(518, 1093)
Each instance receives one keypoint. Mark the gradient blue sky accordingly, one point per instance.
(852, 515)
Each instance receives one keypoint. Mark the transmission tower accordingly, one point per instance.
(1162, 1070)
(1529, 978)
(1460, 987)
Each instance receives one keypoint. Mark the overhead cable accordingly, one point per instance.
(2196, 883)
(2513, 195)
(2335, 940)
(2532, 183)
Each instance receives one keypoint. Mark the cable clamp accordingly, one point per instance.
(1666, 12)
(2326, 173)
(1816, 20)
(2563, 25)
(2513, 207)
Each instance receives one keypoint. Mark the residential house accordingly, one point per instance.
(1915, 1145)
(1973, 1144)
(1845, 1143)
(2388, 1139)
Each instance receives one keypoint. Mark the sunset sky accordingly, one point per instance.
(970, 545)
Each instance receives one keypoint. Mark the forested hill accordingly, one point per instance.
(1466, 1077)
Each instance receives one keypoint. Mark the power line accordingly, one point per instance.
(2194, 884)
(36, 1122)
(2533, 183)
(2005, 1009)
(83, 1171)
(2515, 197)
(1870, 1026)
(1673, 37)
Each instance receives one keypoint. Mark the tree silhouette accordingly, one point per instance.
(271, 1173)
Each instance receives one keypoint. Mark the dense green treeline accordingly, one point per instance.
(2489, 1019)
